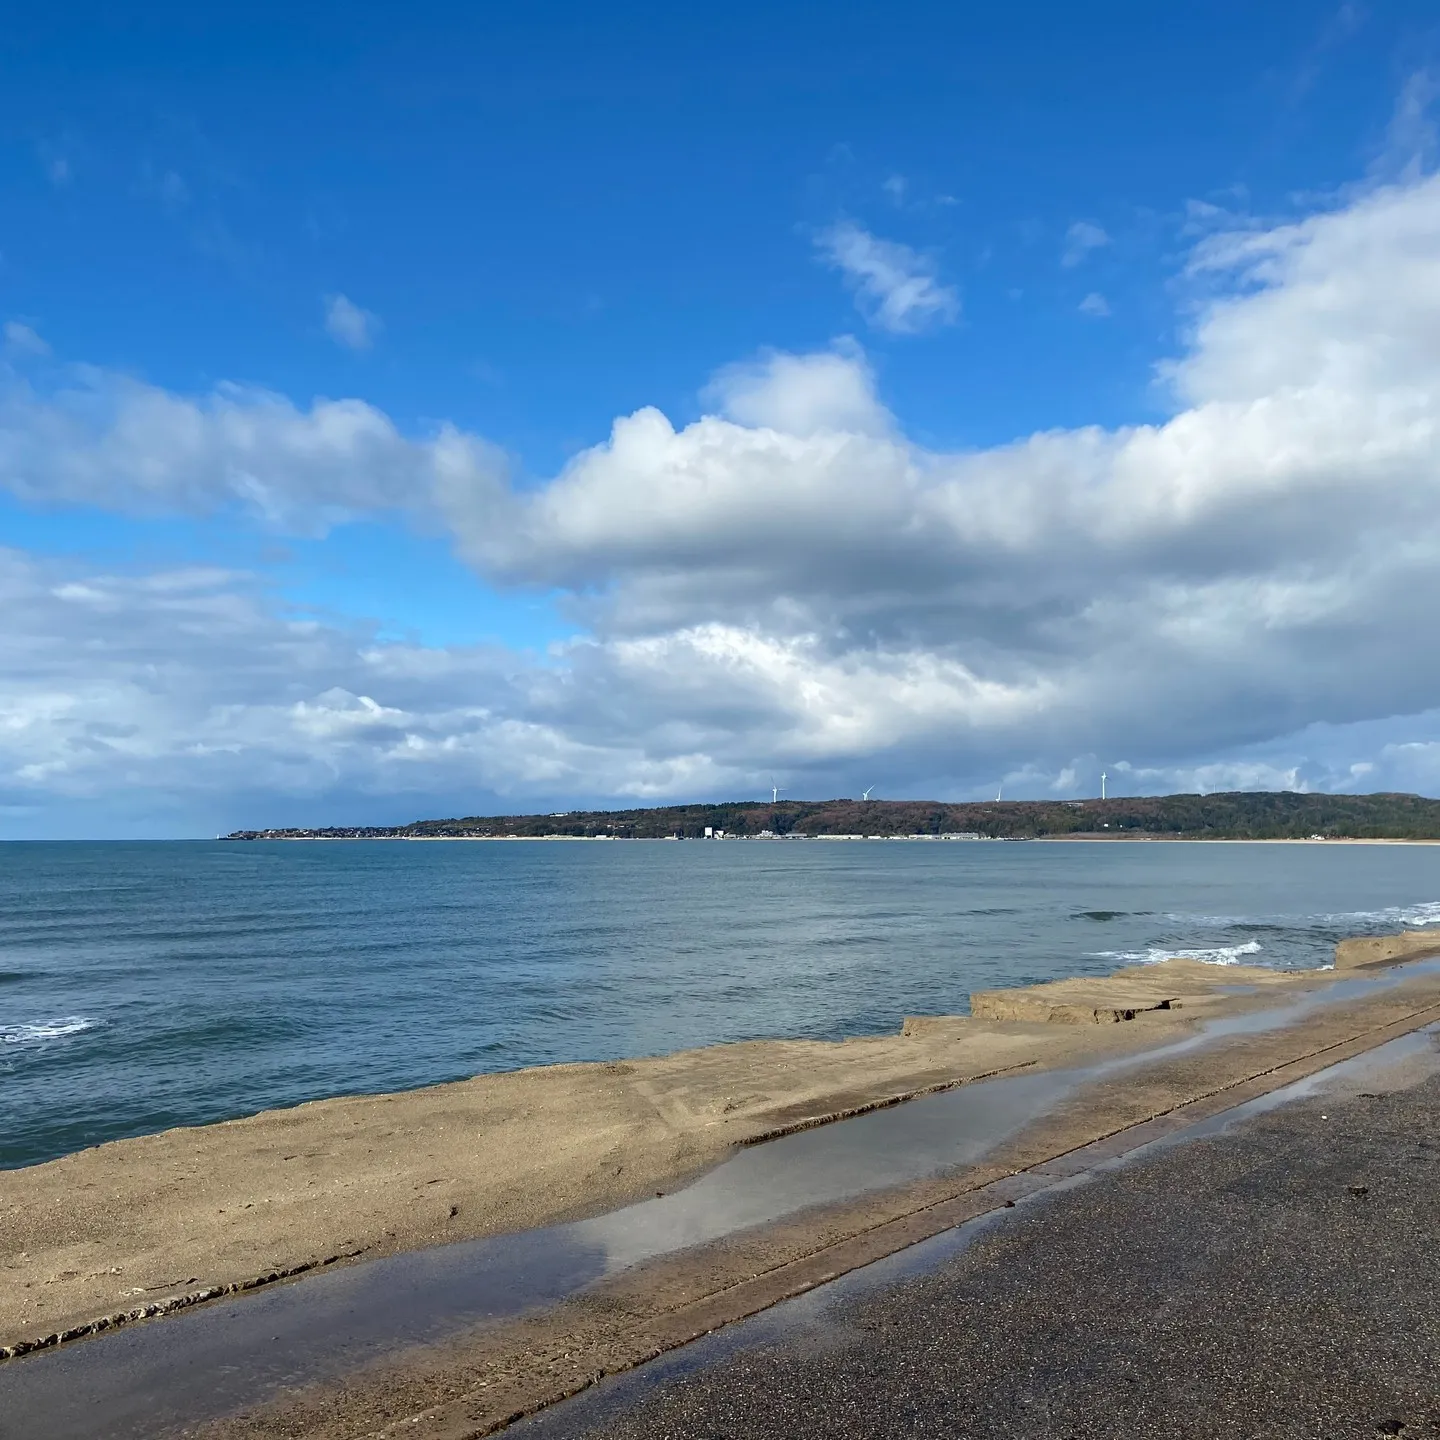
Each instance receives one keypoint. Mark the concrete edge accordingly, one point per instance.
(168, 1306)
(814, 1122)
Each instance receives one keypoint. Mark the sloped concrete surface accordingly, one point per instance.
(1277, 1280)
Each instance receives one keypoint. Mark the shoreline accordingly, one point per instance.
(465, 1339)
(1081, 839)
(1233, 814)
(138, 1227)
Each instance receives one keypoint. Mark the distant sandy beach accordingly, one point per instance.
(1205, 840)
(1082, 838)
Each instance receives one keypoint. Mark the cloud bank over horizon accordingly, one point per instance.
(1236, 596)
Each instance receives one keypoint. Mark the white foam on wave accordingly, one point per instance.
(1390, 917)
(1208, 955)
(1409, 917)
(37, 1031)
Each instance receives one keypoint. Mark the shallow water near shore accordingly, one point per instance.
(149, 985)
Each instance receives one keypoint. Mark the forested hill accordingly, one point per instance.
(1244, 815)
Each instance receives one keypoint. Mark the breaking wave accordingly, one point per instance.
(1347, 922)
(1208, 955)
(36, 1032)
(1407, 917)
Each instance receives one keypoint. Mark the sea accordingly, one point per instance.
(149, 985)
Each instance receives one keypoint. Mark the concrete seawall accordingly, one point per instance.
(1386, 949)
(140, 1227)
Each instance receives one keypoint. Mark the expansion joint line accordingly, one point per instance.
(814, 1122)
(1404, 1025)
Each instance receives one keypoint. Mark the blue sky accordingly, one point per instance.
(562, 213)
(516, 227)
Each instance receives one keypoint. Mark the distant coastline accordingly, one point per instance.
(1240, 815)
(1080, 838)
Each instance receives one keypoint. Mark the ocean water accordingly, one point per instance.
(149, 985)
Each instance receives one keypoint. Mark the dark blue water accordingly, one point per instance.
(150, 985)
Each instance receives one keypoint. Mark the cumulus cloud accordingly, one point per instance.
(348, 325)
(1081, 240)
(109, 440)
(191, 678)
(1095, 305)
(1236, 595)
(895, 287)
(190, 692)
(1252, 564)
(802, 395)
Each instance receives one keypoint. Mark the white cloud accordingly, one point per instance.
(1215, 777)
(895, 286)
(185, 693)
(802, 394)
(348, 325)
(109, 440)
(193, 669)
(1410, 140)
(1095, 305)
(20, 339)
(1254, 563)
(1081, 240)
(1237, 595)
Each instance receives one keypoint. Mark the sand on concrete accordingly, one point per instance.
(1384, 949)
(143, 1225)
(1109, 999)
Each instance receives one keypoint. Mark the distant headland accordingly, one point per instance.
(1239, 815)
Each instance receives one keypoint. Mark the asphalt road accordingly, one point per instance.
(1281, 1279)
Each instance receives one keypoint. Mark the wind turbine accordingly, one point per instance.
(866, 795)
(1103, 778)
(775, 791)
(999, 792)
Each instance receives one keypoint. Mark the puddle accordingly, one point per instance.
(153, 1379)
(1402, 1062)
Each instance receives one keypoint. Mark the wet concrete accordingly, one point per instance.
(155, 1379)
(1400, 1064)
(1266, 1272)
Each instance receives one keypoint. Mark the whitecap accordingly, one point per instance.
(1409, 917)
(36, 1032)
(1351, 922)
(1209, 955)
